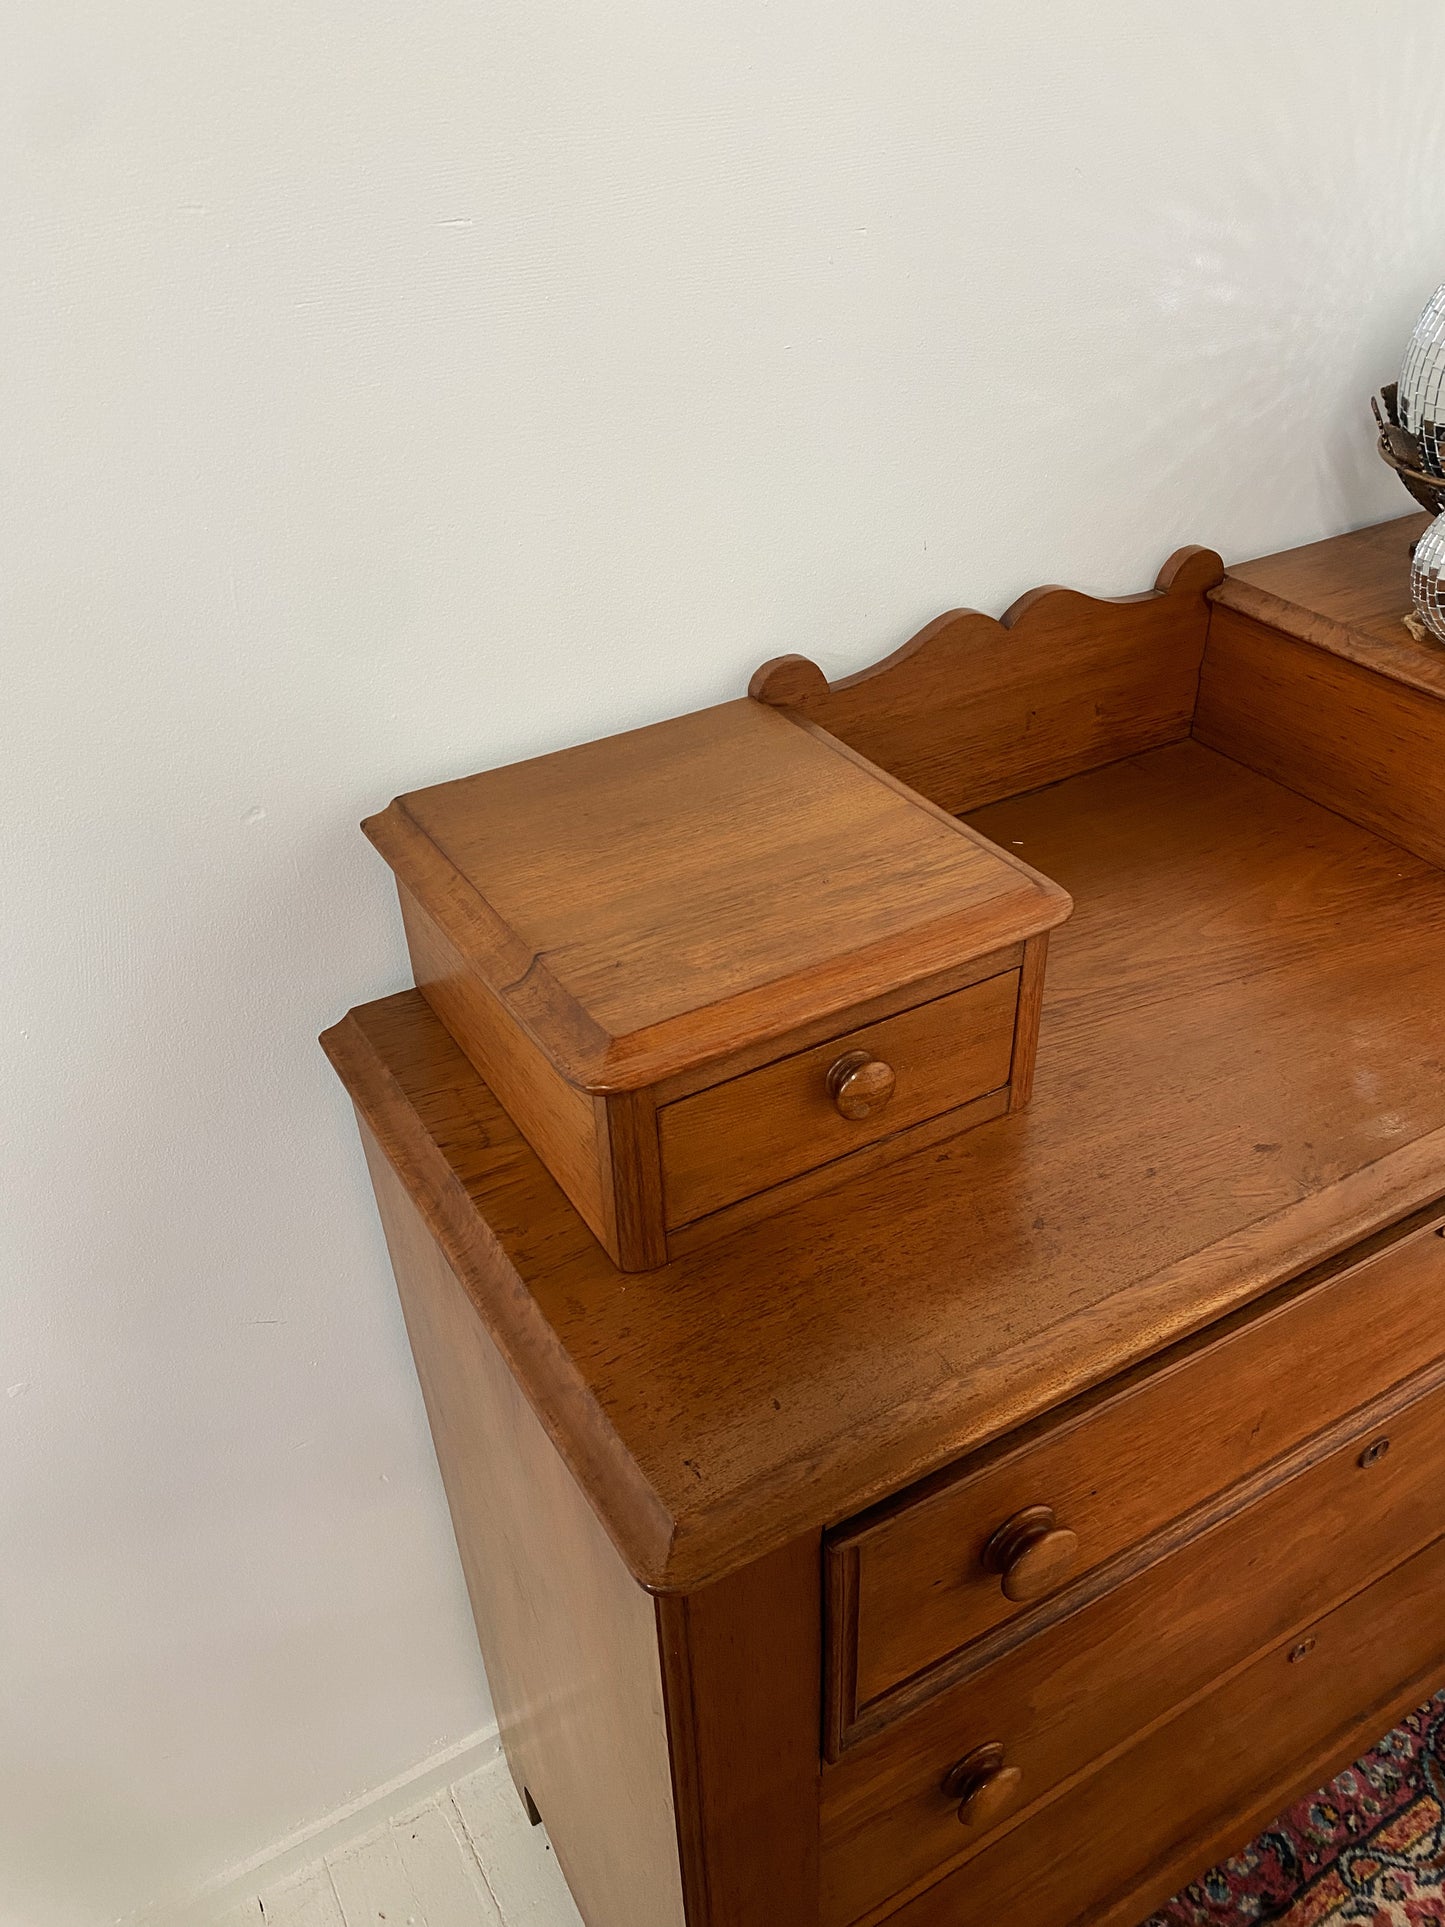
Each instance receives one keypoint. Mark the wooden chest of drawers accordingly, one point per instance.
(1007, 1532)
(1102, 1663)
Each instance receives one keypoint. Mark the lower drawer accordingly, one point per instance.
(1111, 1848)
(1061, 1699)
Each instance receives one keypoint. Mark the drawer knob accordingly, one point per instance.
(983, 1786)
(860, 1085)
(1031, 1552)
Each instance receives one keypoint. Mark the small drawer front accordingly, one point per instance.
(922, 1579)
(743, 1136)
(1110, 1849)
(1057, 1701)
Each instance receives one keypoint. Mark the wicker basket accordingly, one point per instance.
(1400, 449)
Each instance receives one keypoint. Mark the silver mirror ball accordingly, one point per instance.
(1422, 412)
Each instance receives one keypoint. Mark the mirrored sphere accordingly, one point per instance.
(1422, 385)
(1425, 578)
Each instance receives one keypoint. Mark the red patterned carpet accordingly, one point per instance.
(1366, 1851)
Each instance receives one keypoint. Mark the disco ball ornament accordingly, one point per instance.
(1412, 421)
(1426, 584)
(1421, 403)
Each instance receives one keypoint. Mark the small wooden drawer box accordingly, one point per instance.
(712, 964)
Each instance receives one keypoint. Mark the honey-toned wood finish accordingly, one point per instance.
(880, 1150)
(1031, 1518)
(741, 1666)
(1031, 1554)
(985, 1786)
(1348, 596)
(669, 1745)
(914, 1582)
(596, 925)
(566, 1127)
(1026, 1029)
(1312, 677)
(825, 1030)
(664, 898)
(1237, 1079)
(1309, 1534)
(570, 1640)
(1199, 1785)
(755, 1131)
(1361, 742)
(974, 709)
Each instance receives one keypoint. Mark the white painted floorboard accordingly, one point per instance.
(517, 1858)
(467, 1857)
(442, 1868)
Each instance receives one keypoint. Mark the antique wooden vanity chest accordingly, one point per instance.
(1002, 1532)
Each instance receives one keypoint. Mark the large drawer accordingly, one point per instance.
(749, 1133)
(1056, 1702)
(1115, 1845)
(918, 1579)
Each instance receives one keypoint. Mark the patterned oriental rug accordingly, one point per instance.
(1368, 1850)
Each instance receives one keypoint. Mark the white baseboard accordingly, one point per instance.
(335, 1830)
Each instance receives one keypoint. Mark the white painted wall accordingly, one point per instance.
(394, 390)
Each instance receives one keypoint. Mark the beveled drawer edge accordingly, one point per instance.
(792, 1043)
(1362, 1732)
(988, 1012)
(882, 1800)
(847, 1724)
(1276, 1297)
(835, 1171)
(879, 1714)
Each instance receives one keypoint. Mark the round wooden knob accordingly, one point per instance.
(984, 1787)
(1032, 1553)
(860, 1085)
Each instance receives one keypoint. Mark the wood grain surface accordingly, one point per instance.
(974, 709)
(1364, 742)
(1321, 1525)
(910, 1583)
(1347, 595)
(740, 1664)
(564, 1125)
(757, 1130)
(1124, 1838)
(647, 902)
(570, 1640)
(1239, 1075)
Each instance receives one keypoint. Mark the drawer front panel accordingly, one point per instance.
(743, 1136)
(1131, 1833)
(1084, 1686)
(919, 1580)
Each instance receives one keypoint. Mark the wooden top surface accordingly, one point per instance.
(1349, 595)
(1241, 1072)
(651, 900)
